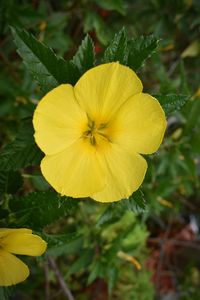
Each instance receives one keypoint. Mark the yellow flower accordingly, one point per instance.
(17, 241)
(93, 134)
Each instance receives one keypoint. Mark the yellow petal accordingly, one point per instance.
(12, 269)
(23, 243)
(103, 89)
(58, 120)
(6, 231)
(124, 174)
(140, 124)
(75, 172)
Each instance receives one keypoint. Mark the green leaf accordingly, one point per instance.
(171, 103)
(39, 209)
(69, 243)
(96, 270)
(117, 5)
(10, 182)
(5, 292)
(93, 21)
(117, 50)
(114, 211)
(136, 202)
(84, 59)
(193, 119)
(23, 151)
(110, 215)
(82, 262)
(112, 276)
(47, 69)
(116, 245)
(140, 48)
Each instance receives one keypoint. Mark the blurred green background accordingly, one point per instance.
(163, 236)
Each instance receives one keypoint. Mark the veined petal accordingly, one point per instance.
(103, 89)
(58, 120)
(124, 175)
(23, 243)
(140, 124)
(76, 171)
(12, 269)
(6, 231)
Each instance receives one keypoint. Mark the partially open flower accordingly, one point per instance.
(93, 133)
(17, 241)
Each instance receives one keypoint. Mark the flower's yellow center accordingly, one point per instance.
(96, 133)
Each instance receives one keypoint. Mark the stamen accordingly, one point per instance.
(92, 132)
(93, 140)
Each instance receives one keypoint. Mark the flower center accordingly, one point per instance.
(95, 133)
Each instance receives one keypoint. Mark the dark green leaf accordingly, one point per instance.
(84, 59)
(39, 182)
(23, 151)
(10, 182)
(39, 209)
(112, 213)
(93, 21)
(171, 103)
(117, 50)
(117, 5)
(3, 214)
(69, 243)
(5, 292)
(135, 202)
(48, 69)
(193, 116)
(82, 262)
(96, 270)
(140, 49)
(112, 276)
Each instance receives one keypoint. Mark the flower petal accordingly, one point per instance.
(103, 89)
(23, 243)
(75, 172)
(12, 269)
(140, 124)
(6, 231)
(124, 175)
(58, 120)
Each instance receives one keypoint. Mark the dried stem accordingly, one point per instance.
(47, 286)
(60, 279)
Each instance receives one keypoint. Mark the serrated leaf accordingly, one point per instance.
(84, 59)
(140, 48)
(10, 182)
(69, 243)
(39, 209)
(47, 69)
(111, 214)
(136, 202)
(117, 50)
(23, 151)
(171, 103)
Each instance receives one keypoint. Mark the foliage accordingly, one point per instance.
(84, 237)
